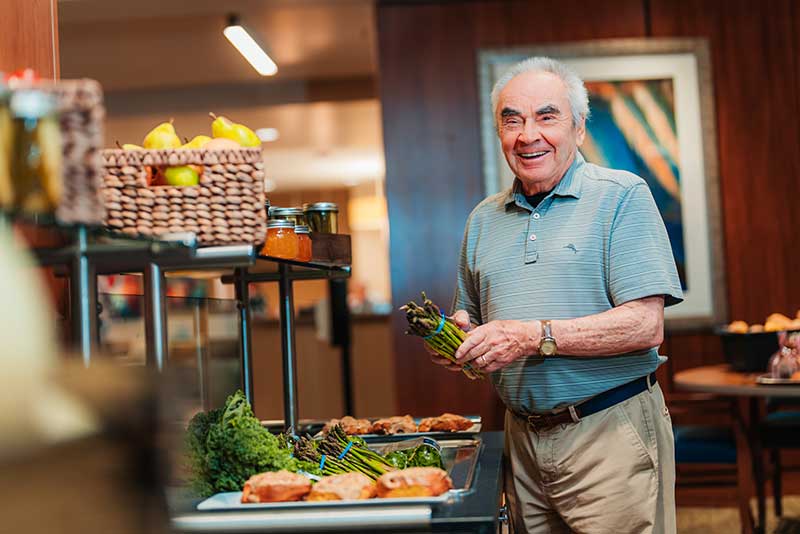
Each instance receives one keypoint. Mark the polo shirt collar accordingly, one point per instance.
(568, 186)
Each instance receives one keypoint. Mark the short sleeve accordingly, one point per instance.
(467, 296)
(640, 260)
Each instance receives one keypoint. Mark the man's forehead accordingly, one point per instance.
(530, 91)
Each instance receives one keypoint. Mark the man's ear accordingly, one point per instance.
(581, 131)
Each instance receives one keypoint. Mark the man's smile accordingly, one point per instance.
(532, 154)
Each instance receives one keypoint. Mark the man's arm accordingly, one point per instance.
(633, 326)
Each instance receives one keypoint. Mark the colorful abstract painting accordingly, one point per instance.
(632, 127)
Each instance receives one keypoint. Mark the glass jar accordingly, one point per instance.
(784, 363)
(303, 243)
(36, 153)
(295, 215)
(6, 188)
(281, 240)
(322, 217)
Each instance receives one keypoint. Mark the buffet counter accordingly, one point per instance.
(473, 511)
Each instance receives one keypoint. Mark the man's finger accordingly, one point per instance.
(473, 340)
(461, 318)
(473, 354)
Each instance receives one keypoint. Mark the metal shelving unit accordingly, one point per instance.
(95, 252)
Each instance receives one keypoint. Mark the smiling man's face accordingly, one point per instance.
(534, 123)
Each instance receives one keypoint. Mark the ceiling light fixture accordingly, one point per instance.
(248, 47)
(267, 134)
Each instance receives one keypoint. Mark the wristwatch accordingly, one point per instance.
(547, 344)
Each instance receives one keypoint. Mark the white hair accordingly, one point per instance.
(576, 91)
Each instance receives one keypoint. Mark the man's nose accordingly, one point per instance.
(530, 131)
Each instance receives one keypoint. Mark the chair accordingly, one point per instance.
(780, 429)
(705, 446)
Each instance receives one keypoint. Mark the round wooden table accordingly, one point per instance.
(745, 394)
(721, 380)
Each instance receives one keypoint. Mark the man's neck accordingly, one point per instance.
(534, 188)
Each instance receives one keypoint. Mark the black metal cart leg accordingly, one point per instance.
(340, 336)
(243, 303)
(83, 299)
(155, 316)
(201, 338)
(289, 349)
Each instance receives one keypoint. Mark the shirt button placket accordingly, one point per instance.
(531, 248)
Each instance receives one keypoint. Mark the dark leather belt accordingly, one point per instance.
(607, 399)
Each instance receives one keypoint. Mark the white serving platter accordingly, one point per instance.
(232, 500)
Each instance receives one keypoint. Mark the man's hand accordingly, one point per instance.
(461, 318)
(496, 344)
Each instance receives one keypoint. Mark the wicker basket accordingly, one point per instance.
(81, 114)
(226, 208)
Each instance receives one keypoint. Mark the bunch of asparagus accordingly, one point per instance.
(424, 321)
(357, 458)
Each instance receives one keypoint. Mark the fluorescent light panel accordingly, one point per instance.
(251, 50)
(268, 134)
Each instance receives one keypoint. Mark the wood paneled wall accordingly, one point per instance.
(428, 88)
(29, 36)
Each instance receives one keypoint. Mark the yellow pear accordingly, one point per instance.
(162, 136)
(130, 146)
(223, 127)
(197, 142)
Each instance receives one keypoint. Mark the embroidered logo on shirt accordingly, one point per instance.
(572, 248)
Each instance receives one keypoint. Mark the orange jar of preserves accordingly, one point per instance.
(304, 243)
(281, 240)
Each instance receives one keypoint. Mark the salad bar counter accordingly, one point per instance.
(473, 461)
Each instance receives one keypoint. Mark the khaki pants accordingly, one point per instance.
(611, 472)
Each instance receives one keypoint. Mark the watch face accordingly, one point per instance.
(548, 347)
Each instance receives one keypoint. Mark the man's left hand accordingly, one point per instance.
(496, 344)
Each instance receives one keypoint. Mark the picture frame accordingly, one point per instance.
(655, 112)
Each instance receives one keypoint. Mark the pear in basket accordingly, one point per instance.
(161, 137)
(223, 127)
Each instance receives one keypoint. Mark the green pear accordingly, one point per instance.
(197, 142)
(223, 127)
(162, 136)
(181, 176)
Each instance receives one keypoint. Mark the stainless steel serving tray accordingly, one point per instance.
(314, 427)
(770, 381)
(459, 456)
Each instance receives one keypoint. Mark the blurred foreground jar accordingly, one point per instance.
(322, 217)
(281, 240)
(303, 243)
(36, 151)
(6, 190)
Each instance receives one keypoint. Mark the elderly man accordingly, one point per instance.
(562, 285)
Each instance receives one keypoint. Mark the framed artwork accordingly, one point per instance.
(652, 113)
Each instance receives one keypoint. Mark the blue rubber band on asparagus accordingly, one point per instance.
(345, 451)
(438, 328)
(322, 463)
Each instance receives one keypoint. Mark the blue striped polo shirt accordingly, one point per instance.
(595, 242)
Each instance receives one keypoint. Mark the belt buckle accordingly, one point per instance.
(540, 422)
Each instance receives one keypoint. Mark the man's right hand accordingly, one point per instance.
(461, 318)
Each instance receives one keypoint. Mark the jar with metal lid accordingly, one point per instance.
(295, 215)
(322, 217)
(281, 240)
(36, 152)
(303, 243)
(6, 188)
